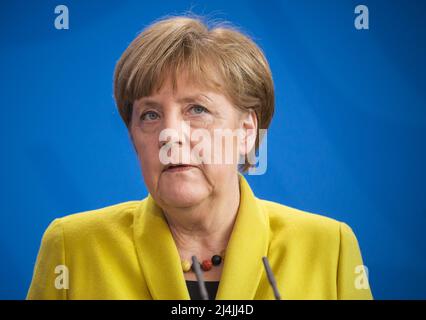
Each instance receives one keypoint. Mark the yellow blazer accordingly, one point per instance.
(126, 251)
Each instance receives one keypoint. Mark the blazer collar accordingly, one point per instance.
(242, 270)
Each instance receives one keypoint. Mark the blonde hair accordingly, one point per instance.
(220, 57)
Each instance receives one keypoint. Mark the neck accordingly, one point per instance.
(204, 229)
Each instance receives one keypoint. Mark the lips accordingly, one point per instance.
(178, 167)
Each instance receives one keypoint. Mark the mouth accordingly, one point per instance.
(178, 167)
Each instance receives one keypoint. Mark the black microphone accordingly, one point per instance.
(202, 286)
(200, 280)
(271, 278)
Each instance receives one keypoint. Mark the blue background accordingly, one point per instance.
(347, 140)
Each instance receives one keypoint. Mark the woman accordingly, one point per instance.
(177, 77)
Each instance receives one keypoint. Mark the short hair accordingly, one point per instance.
(218, 57)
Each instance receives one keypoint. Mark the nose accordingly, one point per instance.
(174, 129)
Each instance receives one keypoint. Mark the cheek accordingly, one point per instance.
(146, 146)
(218, 175)
(225, 142)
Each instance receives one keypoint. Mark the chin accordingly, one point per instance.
(181, 193)
(181, 198)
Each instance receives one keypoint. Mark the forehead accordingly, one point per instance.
(179, 85)
(183, 81)
(183, 90)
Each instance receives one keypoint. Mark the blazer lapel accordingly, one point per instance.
(243, 265)
(158, 255)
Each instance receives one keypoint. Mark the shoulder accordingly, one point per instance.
(115, 219)
(316, 247)
(307, 227)
(106, 214)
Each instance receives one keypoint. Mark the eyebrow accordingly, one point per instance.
(148, 102)
(195, 98)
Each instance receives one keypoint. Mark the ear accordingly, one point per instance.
(249, 128)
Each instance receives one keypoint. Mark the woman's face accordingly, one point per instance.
(197, 130)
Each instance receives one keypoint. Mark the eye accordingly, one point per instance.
(197, 109)
(149, 116)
